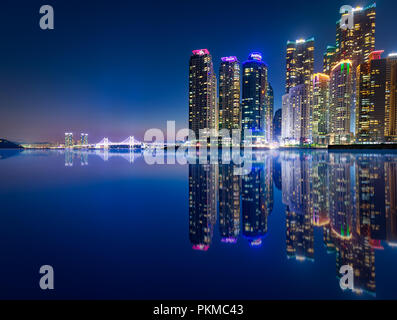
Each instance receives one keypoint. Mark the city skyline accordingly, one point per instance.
(103, 106)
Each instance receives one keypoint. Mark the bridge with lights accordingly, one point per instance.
(129, 142)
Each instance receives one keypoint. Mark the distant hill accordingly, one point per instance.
(5, 144)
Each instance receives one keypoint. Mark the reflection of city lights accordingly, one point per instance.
(201, 247)
(229, 240)
(255, 242)
(392, 244)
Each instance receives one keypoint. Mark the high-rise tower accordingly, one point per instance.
(329, 59)
(391, 98)
(357, 44)
(371, 91)
(229, 94)
(341, 101)
(254, 96)
(203, 113)
(319, 108)
(269, 113)
(300, 63)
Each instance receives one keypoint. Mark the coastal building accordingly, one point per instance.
(229, 94)
(254, 97)
(69, 140)
(319, 103)
(277, 122)
(341, 103)
(299, 63)
(296, 126)
(203, 110)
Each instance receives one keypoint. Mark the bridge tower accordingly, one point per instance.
(106, 143)
(131, 142)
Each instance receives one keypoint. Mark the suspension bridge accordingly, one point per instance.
(129, 142)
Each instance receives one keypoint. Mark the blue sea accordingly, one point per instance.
(114, 227)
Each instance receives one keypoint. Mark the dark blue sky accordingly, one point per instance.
(116, 68)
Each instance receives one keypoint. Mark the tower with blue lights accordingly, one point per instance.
(254, 96)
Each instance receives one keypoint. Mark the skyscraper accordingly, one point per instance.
(229, 94)
(299, 71)
(68, 140)
(277, 120)
(296, 126)
(391, 98)
(269, 114)
(376, 99)
(329, 59)
(287, 128)
(371, 103)
(203, 113)
(319, 108)
(356, 44)
(300, 63)
(254, 94)
(84, 139)
(341, 103)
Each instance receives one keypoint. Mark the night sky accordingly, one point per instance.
(116, 68)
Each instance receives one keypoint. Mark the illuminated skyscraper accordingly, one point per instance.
(320, 108)
(229, 94)
(269, 113)
(391, 98)
(341, 106)
(329, 59)
(296, 126)
(300, 63)
(203, 110)
(287, 131)
(376, 99)
(68, 140)
(299, 71)
(356, 44)
(371, 103)
(277, 121)
(254, 96)
(84, 139)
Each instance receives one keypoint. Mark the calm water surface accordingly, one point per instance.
(114, 227)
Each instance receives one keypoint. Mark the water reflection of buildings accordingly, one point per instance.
(245, 202)
(229, 203)
(391, 201)
(351, 197)
(202, 204)
(70, 155)
(257, 201)
(297, 199)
